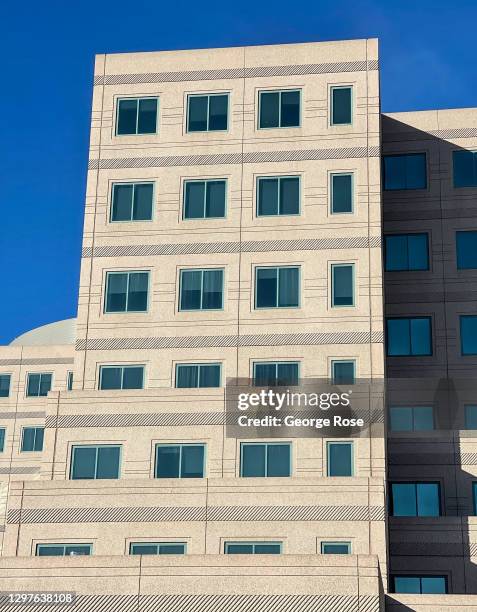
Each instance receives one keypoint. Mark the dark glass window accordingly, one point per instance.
(201, 289)
(69, 381)
(342, 284)
(466, 245)
(197, 375)
(277, 287)
(157, 548)
(278, 196)
(411, 418)
(468, 334)
(204, 199)
(32, 439)
(2, 439)
(132, 202)
(253, 548)
(137, 116)
(406, 252)
(121, 377)
(341, 103)
(5, 385)
(465, 168)
(207, 113)
(341, 193)
(419, 584)
(474, 497)
(95, 462)
(279, 373)
(340, 458)
(180, 460)
(38, 385)
(409, 336)
(63, 550)
(407, 171)
(415, 499)
(279, 109)
(343, 372)
(126, 291)
(267, 459)
(471, 417)
(335, 548)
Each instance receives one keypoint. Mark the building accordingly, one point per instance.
(234, 226)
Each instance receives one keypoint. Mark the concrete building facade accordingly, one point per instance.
(235, 222)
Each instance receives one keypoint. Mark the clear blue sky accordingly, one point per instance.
(427, 52)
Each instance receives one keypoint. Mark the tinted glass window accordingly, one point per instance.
(406, 252)
(204, 199)
(32, 439)
(269, 374)
(405, 171)
(38, 385)
(180, 461)
(277, 287)
(415, 499)
(342, 284)
(207, 113)
(343, 372)
(95, 462)
(465, 168)
(197, 375)
(253, 548)
(62, 550)
(260, 460)
(201, 289)
(166, 548)
(5, 385)
(421, 585)
(341, 193)
(411, 418)
(466, 245)
(132, 202)
(279, 109)
(137, 116)
(126, 291)
(468, 335)
(409, 336)
(471, 417)
(278, 196)
(340, 458)
(341, 105)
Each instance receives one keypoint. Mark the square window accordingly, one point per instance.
(409, 337)
(197, 375)
(406, 252)
(95, 462)
(343, 372)
(180, 460)
(201, 289)
(466, 246)
(38, 385)
(340, 458)
(341, 105)
(5, 380)
(132, 202)
(126, 292)
(277, 287)
(407, 171)
(207, 113)
(204, 199)
(279, 109)
(136, 116)
(278, 196)
(265, 459)
(468, 334)
(465, 168)
(341, 188)
(342, 285)
(32, 439)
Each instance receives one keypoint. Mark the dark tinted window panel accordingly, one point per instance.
(341, 112)
(465, 168)
(466, 245)
(403, 172)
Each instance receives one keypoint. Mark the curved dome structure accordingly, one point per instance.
(59, 332)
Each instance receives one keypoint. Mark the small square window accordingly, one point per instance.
(180, 461)
(258, 460)
(207, 113)
(278, 196)
(409, 337)
(341, 105)
(100, 462)
(343, 372)
(406, 252)
(341, 188)
(136, 116)
(32, 439)
(406, 171)
(38, 384)
(340, 458)
(204, 199)
(201, 289)
(126, 292)
(5, 380)
(279, 109)
(132, 202)
(277, 287)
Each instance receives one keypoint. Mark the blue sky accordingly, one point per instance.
(427, 54)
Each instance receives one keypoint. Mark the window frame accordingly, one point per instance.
(133, 183)
(394, 576)
(332, 174)
(185, 182)
(344, 360)
(36, 374)
(9, 376)
(454, 186)
(208, 95)
(109, 273)
(36, 428)
(180, 445)
(415, 483)
(278, 177)
(202, 270)
(280, 91)
(122, 366)
(342, 264)
(69, 380)
(276, 363)
(406, 235)
(277, 267)
(426, 166)
(411, 318)
(350, 443)
(137, 98)
(198, 364)
(158, 545)
(412, 407)
(266, 445)
(96, 447)
(331, 105)
(253, 543)
(65, 546)
(324, 543)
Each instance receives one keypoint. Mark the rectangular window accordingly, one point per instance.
(180, 461)
(471, 417)
(279, 109)
(121, 377)
(253, 548)
(406, 252)
(207, 113)
(5, 385)
(429, 585)
(278, 196)
(63, 550)
(275, 373)
(341, 105)
(157, 548)
(465, 168)
(38, 385)
(204, 199)
(277, 287)
(410, 337)
(95, 462)
(126, 291)
(69, 381)
(271, 459)
(415, 499)
(342, 285)
(407, 171)
(466, 246)
(32, 439)
(411, 418)
(341, 189)
(343, 372)
(136, 116)
(201, 289)
(2, 439)
(132, 202)
(340, 458)
(336, 548)
(468, 334)
(197, 375)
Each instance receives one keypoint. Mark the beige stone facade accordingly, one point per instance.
(41, 504)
